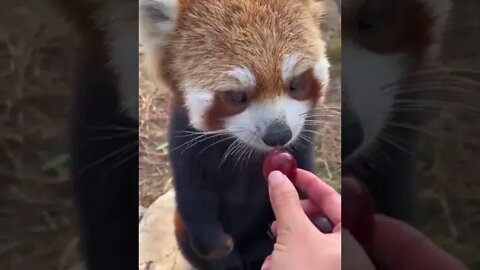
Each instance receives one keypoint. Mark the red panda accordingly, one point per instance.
(239, 65)
(105, 87)
(383, 44)
(246, 77)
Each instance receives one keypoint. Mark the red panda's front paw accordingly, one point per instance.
(213, 248)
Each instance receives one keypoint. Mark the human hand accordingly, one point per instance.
(392, 244)
(397, 245)
(299, 244)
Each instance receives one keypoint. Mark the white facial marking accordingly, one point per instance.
(197, 103)
(440, 10)
(120, 24)
(250, 125)
(321, 70)
(288, 66)
(364, 77)
(244, 76)
(124, 41)
(157, 19)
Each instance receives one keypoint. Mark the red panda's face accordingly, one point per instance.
(253, 69)
(383, 41)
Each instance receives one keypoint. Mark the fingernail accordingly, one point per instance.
(276, 178)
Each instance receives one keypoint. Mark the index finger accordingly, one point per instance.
(325, 197)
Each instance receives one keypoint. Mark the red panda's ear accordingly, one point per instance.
(317, 10)
(157, 22)
(157, 19)
(439, 11)
(320, 14)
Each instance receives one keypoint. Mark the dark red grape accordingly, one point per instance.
(358, 211)
(279, 160)
(323, 224)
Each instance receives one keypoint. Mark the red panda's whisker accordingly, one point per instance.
(251, 152)
(231, 148)
(215, 143)
(246, 151)
(119, 134)
(202, 132)
(443, 71)
(315, 132)
(316, 115)
(237, 151)
(417, 129)
(442, 89)
(445, 85)
(444, 80)
(104, 158)
(326, 106)
(326, 117)
(113, 127)
(196, 140)
(122, 161)
(242, 150)
(303, 137)
(234, 149)
(429, 103)
(317, 121)
(311, 114)
(405, 109)
(202, 140)
(393, 141)
(315, 125)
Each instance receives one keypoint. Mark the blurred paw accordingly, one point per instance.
(213, 248)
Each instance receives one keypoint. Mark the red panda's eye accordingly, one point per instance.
(297, 85)
(374, 15)
(237, 98)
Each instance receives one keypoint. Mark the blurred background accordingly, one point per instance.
(37, 221)
(449, 190)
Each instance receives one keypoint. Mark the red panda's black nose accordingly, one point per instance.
(277, 135)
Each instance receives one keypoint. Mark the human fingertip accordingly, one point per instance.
(276, 178)
(274, 228)
(266, 263)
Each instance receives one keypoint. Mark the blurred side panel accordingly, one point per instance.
(410, 131)
(69, 134)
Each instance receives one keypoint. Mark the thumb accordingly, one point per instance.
(285, 200)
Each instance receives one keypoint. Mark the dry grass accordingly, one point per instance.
(36, 223)
(449, 186)
(155, 177)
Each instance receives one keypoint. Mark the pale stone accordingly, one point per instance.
(158, 248)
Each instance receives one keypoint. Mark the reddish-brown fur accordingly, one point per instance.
(410, 32)
(221, 108)
(180, 230)
(235, 33)
(212, 37)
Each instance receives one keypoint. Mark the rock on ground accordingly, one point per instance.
(158, 248)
